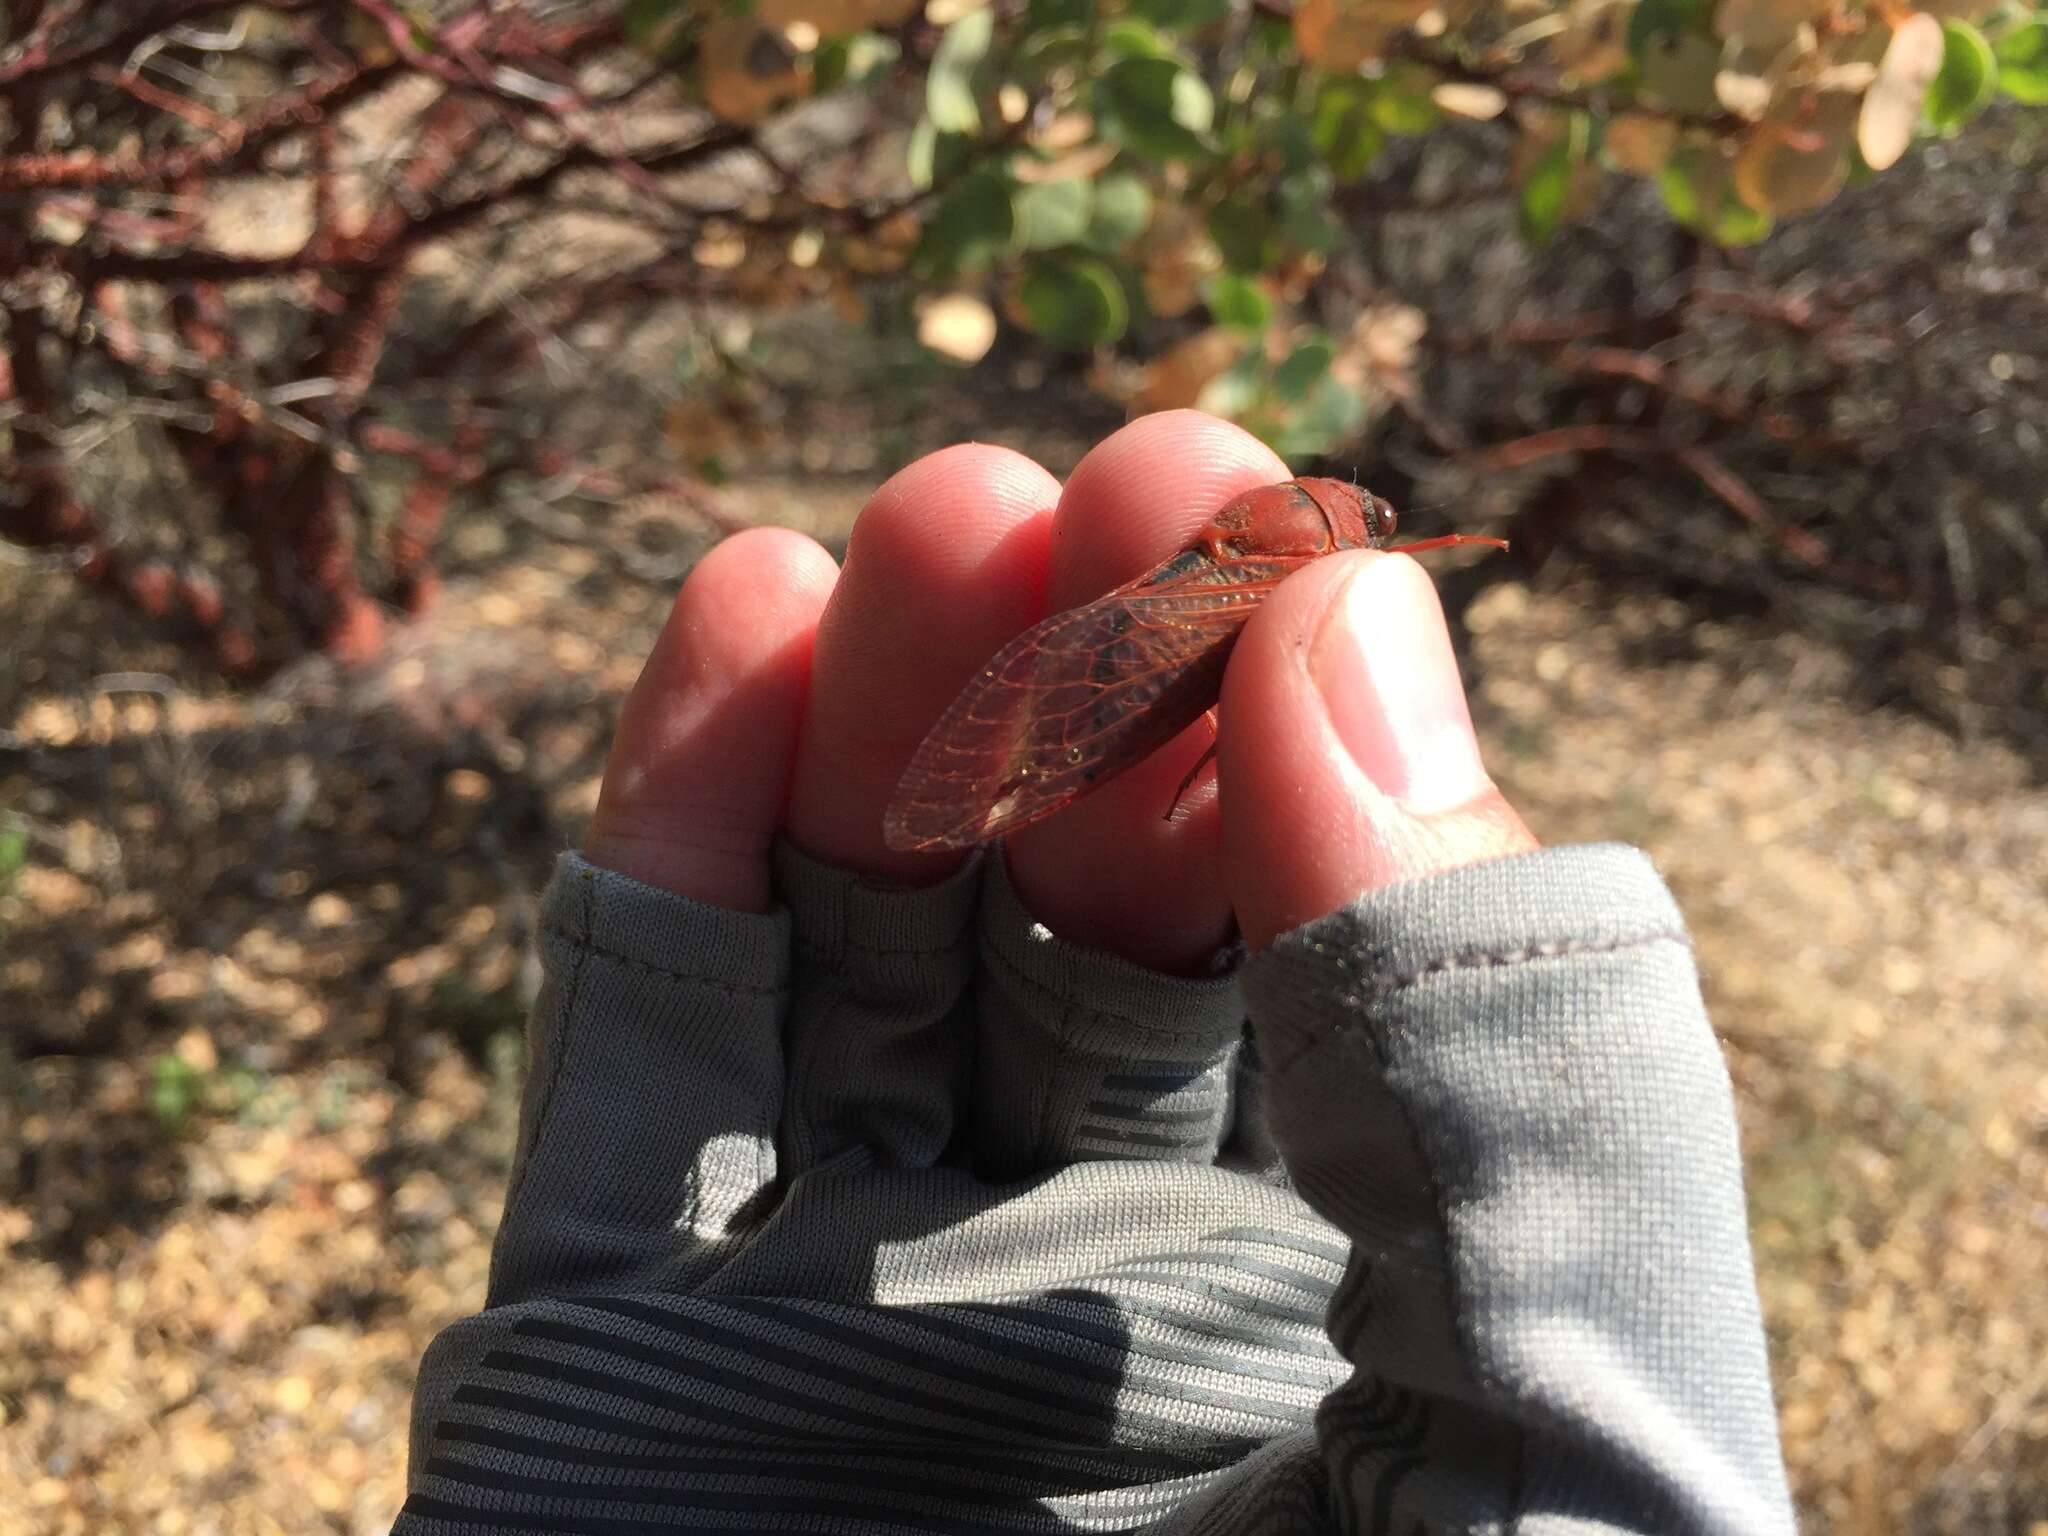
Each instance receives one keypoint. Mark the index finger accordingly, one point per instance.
(1112, 871)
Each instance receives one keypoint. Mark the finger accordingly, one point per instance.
(699, 770)
(946, 562)
(1113, 872)
(1347, 759)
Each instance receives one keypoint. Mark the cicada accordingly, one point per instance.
(1081, 696)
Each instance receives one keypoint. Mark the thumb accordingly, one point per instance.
(1346, 759)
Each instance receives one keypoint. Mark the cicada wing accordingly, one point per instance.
(1068, 705)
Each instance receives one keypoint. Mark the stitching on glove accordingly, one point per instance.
(571, 992)
(1392, 986)
(1461, 1331)
(951, 941)
(1376, 991)
(1481, 959)
(736, 989)
(1070, 1011)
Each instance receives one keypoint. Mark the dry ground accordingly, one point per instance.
(262, 970)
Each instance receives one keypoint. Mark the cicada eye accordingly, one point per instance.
(1383, 519)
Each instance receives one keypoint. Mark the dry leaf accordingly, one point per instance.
(1594, 43)
(698, 429)
(1462, 99)
(1891, 108)
(720, 248)
(1179, 259)
(1342, 35)
(748, 69)
(1784, 170)
(1387, 335)
(1763, 27)
(1083, 164)
(1747, 96)
(1176, 378)
(1641, 141)
(1068, 130)
(959, 326)
(1854, 78)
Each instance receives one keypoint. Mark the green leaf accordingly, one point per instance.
(855, 59)
(1677, 69)
(1180, 15)
(1967, 77)
(1306, 222)
(13, 851)
(1236, 389)
(658, 27)
(1695, 186)
(1292, 137)
(949, 95)
(1240, 228)
(1074, 302)
(1401, 103)
(1043, 15)
(1860, 173)
(1545, 194)
(1042, 55)
(1652, 20)
(1304, 368)
(1343, 129)
(1331, 416)
(828, 65)
(2023, 63)
(175, 1089)
(1051, 213)
(1123, 207)
(971, 227)
(1135, 40)
(934, 156)
(1238, 302)
(1158, 107)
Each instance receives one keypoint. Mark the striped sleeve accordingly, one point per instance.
(1506, 1288)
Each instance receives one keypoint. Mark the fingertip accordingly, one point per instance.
(1346, 760)
(945, 564)
(699, 767)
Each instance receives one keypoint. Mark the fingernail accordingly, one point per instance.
(1382, 661)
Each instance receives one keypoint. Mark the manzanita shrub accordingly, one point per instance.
(1092, 166)
(283, 282)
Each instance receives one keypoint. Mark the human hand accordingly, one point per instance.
(786, 696)
(883, 1190)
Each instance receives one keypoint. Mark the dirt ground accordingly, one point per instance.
(263, 962)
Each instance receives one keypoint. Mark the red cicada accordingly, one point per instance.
(1083, 695)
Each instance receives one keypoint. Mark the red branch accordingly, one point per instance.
(38, 54)
(48, 515)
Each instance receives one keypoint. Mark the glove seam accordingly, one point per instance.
(586, 947)
(571, 994)
(1069, 1010)
(1461, 1331)
(1480, 960)
(851, 946)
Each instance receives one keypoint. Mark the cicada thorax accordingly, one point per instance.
(1298, 520)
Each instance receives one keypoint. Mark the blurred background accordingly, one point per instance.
(373, 371)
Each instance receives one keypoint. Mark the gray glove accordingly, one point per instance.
(888, 1211)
